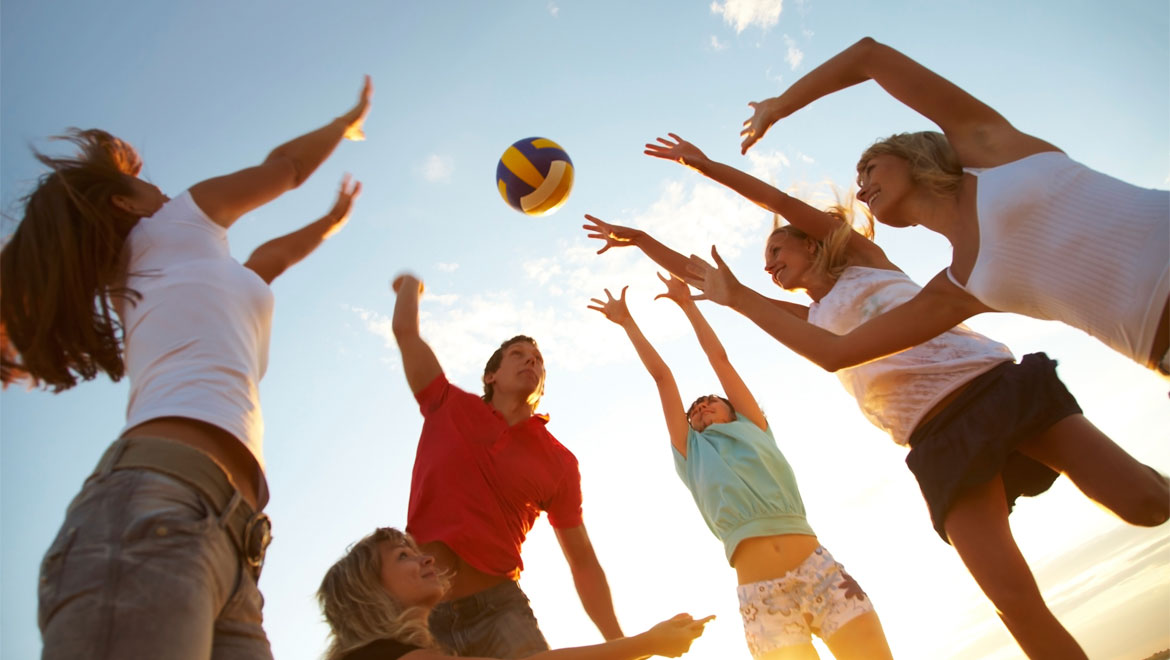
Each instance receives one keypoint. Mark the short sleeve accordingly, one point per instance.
(432, 396)
(564, 511)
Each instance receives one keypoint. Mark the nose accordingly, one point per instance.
(427, 561)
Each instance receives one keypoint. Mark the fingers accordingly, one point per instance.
(718, 260)
(665, 280)
(623, 298)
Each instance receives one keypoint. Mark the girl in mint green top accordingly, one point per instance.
(789, 586)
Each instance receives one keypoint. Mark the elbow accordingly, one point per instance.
(286, 169)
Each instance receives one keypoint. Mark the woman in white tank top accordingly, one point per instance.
(934, 397)
(1034, 232)
(159, 553)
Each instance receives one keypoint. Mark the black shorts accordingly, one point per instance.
(975, 437)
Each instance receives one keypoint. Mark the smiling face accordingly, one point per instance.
(708, 410)
(886, 183)
(520, 371)
(409, 576)
(788, 259)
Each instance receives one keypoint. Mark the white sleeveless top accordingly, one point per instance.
(197, 341)
(1060, 241)
(894, 392)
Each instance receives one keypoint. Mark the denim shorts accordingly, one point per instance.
(817, 597)
(974, 438)
(495, 623)
(143, 567)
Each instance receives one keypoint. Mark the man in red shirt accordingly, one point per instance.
(484, 470)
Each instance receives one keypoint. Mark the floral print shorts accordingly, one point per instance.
(817, 597)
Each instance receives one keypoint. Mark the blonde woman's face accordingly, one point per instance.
(885, 184)
(409, 576)
(788, 260)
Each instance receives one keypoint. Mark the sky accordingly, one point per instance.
(202, 89)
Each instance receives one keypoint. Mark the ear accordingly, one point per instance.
(489, 378)
(122, 203)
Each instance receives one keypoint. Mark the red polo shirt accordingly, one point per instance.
(478, 484)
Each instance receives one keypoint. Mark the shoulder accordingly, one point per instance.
(382, 649)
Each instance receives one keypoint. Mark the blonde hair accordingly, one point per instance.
(832, 253)
(356, 606)
(933, 161)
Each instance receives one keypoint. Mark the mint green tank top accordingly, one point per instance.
(741, 483)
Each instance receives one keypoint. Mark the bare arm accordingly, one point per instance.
(737, 391)
(589, 578)
(675, 263)
(418, 360)
(225, 198)
(980, 135)
(670, 639)
(672, 407)
(812, 221)
(938, 307)
(276, 256)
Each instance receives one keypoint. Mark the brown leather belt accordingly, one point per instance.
(250, 531)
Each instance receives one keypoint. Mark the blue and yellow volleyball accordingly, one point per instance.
(535, 176)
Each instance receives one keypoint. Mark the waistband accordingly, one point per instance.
(250, 530)
(483, 600)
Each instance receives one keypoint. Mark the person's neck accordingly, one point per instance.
(820, 286)
(937, 213)
(514, 407)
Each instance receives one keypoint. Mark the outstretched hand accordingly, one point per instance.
(406, 279)
(357, 115)
(339, 214)
(613, 235)
(679, 151)
(673, 637)
(614, 309)
(677, 290)
(764, 114)
(717, 282)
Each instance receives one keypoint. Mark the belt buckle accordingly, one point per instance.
(257, 536)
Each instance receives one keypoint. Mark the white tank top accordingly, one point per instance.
(1060, 241)
(894, 392)
(197, 341)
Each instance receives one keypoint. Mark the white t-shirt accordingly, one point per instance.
(896, 391)
(197, 341)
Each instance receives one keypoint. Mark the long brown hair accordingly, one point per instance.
(59, 270)
(356, 606)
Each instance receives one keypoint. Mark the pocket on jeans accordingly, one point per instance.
(52, 568)
(164, 508)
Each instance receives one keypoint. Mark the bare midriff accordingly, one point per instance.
(231, 454)
(465, 578)
(770, 557)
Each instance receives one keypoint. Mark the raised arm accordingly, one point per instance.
(812, 221)
(589, 579)
(675, 263)
(737, 391)
(672, 406)
(276, 256)
(979, 134)
(933, 311)
(225, 198)
(418, 360)
(669, 639)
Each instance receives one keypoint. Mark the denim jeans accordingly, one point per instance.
(144, 568)
(496, 623)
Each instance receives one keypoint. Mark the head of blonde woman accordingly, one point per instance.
(371, 594)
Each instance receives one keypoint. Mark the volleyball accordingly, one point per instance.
(535, 176)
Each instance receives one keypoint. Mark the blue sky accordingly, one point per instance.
(205, 88)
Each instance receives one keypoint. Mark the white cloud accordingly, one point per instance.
(553, 9)
(438, 169)
(742, 13)
(716, 44)
(447, 267)
(766, 164)
(794, 55)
